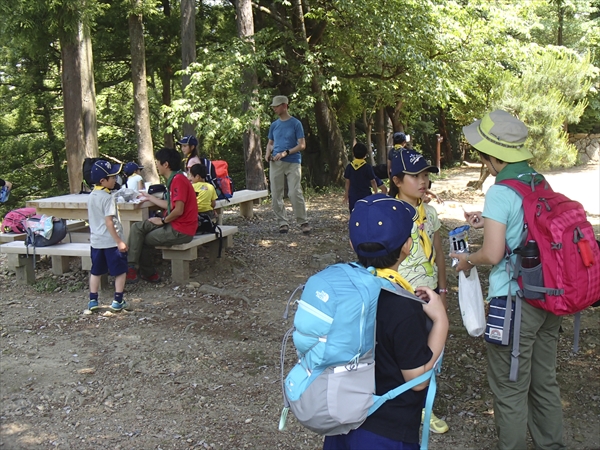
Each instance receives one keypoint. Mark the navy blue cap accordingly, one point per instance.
(189, 140)
(131, 167)
(399, 138)
(380, 219)
(104, 169)
(412, 163)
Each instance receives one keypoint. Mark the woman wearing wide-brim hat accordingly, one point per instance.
(533, 400)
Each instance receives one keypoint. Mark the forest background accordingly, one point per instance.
(122, 78)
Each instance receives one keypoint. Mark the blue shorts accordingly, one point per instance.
(360, 439)
(109, 260)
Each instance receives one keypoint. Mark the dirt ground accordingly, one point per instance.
(196, 366)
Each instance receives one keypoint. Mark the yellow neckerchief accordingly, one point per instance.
(358, 163)
(390, 274)
(425, 241)
(102, 188)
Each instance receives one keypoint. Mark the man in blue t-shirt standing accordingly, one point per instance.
(286, 141)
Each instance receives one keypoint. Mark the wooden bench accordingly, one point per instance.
(245, 198)
(181, 254)
(20, 258)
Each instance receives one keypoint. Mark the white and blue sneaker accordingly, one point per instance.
(93, 305)
(119, 306)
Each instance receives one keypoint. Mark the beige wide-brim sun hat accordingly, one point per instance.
(501, 135)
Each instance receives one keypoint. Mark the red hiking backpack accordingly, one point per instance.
(13, 221)
(568, 278)
(224, 182)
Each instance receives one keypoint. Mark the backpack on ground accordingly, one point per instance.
(331, 390)
(87, 185)
(206, 225)
(567, 280)
(13, 221)
(224, 183)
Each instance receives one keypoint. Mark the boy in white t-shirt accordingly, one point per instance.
(134, 176)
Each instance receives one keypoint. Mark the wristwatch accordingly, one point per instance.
(163, 220)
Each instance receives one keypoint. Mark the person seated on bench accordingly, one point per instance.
(206, 195)
(178, 226)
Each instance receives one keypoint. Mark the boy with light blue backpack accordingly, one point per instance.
(359, 395)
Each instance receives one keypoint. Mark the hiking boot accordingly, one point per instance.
(154, 278)
(436, 425)
(93, 305)
(284, 229)
(306, 228)
(132, 275)
(119, 306)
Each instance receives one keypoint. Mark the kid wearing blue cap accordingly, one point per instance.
(109, 251)
(134, 176)
(380, 233)
(425, 266)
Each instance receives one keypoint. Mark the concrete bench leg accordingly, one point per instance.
(180, 270)
(60, 264)
(247, 209)
(23, 267)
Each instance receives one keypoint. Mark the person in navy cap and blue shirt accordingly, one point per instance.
(380, 233)
(108, 249)
(134, 176)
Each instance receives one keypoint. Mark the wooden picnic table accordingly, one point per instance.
(75, 206)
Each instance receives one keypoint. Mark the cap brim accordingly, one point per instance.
(509, 155)
(431, 169)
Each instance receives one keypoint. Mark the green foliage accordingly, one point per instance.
(550, 91)
(46, 285)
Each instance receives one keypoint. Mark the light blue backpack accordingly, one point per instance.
(331, 390)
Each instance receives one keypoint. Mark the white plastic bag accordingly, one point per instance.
(470, 300)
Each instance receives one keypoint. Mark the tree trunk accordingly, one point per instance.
(446, 144)
(166, 73)
(368, 127)
(332, 156)
(71, 85)
(394, 115)
(255, 175)
(483, 174)
(380, 136)
(140, 94)
(188, 47)
(88, 94)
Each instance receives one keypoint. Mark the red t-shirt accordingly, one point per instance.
(181, 190)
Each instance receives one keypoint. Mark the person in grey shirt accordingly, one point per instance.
(109, 250)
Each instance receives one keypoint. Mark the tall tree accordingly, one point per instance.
(140, 92)
(71, 45)
(255, 176)
(188, 47)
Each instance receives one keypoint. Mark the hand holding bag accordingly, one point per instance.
(470, 299)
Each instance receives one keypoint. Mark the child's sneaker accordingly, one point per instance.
(154, 278)
(119, 306)
(132, 275)
(93, 305)
(436, 425)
